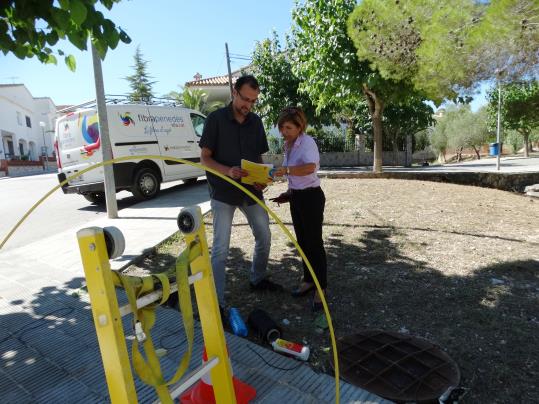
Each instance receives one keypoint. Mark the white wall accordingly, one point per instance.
(46, 113)
(16, 99)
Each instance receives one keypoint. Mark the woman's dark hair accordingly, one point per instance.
(294, 115)
(248, 79)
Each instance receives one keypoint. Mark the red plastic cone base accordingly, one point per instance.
(202, 393)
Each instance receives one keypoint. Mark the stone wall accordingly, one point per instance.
(19, 168)
(513, 182)
(347, 159)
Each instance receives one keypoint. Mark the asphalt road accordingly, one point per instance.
(57, 213)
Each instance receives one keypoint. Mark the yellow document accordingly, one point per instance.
(259, 173)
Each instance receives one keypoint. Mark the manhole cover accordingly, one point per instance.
(396, 366)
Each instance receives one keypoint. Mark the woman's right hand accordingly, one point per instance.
(283, 198)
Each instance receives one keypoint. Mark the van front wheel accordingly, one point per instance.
(146, 184)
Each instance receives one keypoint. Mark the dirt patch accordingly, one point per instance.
(454, 264)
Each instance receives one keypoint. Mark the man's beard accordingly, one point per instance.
(243, 110)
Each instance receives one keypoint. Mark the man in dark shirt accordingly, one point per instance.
(230, 134)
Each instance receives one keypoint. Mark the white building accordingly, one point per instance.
(26, 123)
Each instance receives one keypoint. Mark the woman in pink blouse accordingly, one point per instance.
(307, 200)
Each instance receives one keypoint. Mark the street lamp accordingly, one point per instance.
(44, 148)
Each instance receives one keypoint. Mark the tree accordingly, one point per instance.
(410, 41)
(139, 81)
(519, 108)
(272, 66)
(401, 120)
(196, 99)
(446, 48)
(329, 70)
(439, 140)
(505, 39)
(469, 130)
(460, 128)
(31, 28)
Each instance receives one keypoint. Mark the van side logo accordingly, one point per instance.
(90, 133)
(126, 119)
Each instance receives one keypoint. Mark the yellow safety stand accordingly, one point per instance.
(97, 246)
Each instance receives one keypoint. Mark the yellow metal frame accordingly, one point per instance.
(106, 313)
(210, 318)
(108, 321)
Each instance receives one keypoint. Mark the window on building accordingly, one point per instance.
(28, 121)
(19, 118)
(21, 149)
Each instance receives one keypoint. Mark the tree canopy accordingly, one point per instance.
(401, 120)
(519, 108)
(446, 48)
(31, 28)
(272, 65)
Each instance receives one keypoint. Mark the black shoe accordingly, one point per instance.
(298, 292)
(266, 284)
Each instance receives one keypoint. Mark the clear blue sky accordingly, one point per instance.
(178, 38)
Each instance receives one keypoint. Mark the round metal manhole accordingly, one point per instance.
(396, 366)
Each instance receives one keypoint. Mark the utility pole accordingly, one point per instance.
(498, 126)
(229, 72)
(110, 186)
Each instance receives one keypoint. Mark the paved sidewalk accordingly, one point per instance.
(508, 165)
(48, 347)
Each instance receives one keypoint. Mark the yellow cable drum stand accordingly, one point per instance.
(97, 246)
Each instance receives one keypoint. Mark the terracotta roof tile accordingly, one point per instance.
(217, 80)
(211, 81)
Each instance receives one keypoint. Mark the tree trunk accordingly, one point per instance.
(459, 154)
(526, 143)
(476, 152)
(376, 109)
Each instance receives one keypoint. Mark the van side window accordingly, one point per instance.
(198, 123)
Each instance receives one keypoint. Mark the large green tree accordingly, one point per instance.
(519, 109)
(140, 81)
(329, 70)
(402, 120)
(446, 48)
(31, 28)
(272, 65)
(504, 41)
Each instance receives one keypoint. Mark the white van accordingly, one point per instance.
(134, 130)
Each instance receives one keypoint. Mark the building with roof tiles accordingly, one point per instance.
(217, 88)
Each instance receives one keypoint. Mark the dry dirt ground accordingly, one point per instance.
(454, 264)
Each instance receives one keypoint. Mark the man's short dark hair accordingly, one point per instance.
(248, 79)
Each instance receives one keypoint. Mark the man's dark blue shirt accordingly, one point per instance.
(230, 142)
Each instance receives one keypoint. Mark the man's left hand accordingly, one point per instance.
(259, 187)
